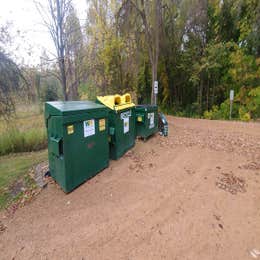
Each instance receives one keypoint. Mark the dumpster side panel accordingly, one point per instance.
(86, 149)
(55, 151)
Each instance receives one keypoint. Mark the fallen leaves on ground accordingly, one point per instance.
(250, 166)
(231, 183)
(2, 227)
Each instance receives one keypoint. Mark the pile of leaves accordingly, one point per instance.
(2, 227)
(230, 183)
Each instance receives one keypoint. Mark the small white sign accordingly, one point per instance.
(155, 86)
(126, 125)
(89, 127)
(151, 118)
(231, 95)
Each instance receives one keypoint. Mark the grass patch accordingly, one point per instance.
(15, 141)
(14, 168)
(25, 132)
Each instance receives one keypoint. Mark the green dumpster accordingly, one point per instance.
(77, 141)
(146, 120)
(121, 123)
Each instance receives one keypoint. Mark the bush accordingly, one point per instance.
(49, 93)
(253, 105)
(243, 114)
(50, 89)
(15, 141)
(208, 114)
(217, 113)
(245, 107)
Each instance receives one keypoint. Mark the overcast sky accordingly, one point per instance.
(33, 36)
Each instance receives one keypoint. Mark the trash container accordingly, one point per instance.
(162, 124)
(121, 123)
(77, 141)
(146, 120)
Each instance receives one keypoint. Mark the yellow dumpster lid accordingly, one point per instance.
(116, 102)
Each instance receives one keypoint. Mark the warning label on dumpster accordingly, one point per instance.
(126, 125)
(151, 118)
(70, 129)
(89, 127)
(102, 124)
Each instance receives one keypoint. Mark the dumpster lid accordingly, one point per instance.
(116, 102)
(70, 107)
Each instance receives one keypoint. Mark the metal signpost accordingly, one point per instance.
(155, 90)
(231, 97)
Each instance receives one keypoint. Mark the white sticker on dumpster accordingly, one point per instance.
(126, 125)
(151, 118)
(126, 114)
(89, 127)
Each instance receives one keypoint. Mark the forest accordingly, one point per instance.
(198, 50)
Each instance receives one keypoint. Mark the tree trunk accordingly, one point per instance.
(61, 49)
(63, 79)
(200, 90)
(208, 93)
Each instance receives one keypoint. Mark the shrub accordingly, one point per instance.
(253, 105)
(243, 114)
(208, 114)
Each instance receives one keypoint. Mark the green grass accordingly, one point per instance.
(24, 132)
(16, 167)
(15, 141)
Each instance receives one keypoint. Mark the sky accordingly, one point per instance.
(30, 37)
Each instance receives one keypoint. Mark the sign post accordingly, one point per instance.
(231, 97)
(155, 91)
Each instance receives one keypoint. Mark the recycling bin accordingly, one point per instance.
(146, 120)
(77, 141)
(121, 123)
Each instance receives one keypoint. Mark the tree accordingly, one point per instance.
(55, 18)
(74, 53)
(111, 56)
(12, 80)
(149, 13)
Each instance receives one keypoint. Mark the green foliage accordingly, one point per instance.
(243, 114)
(50, 93)
(143, 88)
(253, 104)
(49, 90)
(246, 106)
(88, 91)
(11, 81)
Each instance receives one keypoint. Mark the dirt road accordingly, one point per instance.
(193, 195)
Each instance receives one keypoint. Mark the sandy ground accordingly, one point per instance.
(193, 195)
